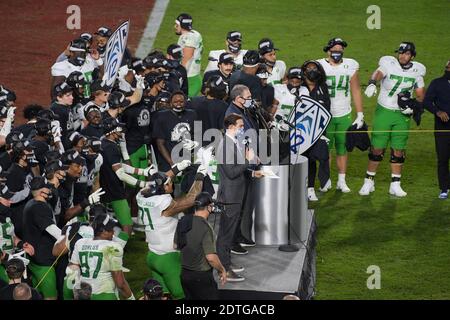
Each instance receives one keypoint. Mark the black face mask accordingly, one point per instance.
(101, 50)
(447, 74)
(290, 87)
(313, 75)
(234, 49)
(78, 61)
(337, 56)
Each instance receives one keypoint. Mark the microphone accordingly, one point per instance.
(246, 141)
(280, 118)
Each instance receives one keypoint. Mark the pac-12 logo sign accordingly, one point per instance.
(115, 49)
(310, 119)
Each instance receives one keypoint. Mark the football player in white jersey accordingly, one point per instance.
(276, 68)
(158, 211)
(343, 83)
(77, 61)
(234, 45)
(192, 44)
(99, 262)
(399, 76)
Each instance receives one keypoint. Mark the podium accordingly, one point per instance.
(272, 199)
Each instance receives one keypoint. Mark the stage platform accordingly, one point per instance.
(271, 274)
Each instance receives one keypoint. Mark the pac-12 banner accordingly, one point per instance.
(310, 119)
(115, 48)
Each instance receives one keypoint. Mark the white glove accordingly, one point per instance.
(359, 121)
(149, 170)
(189, 144)
(10, 113)
(139, 82)
(182, 165)
(202, 169)
(371, 90)
(325, 139)
(95, 196)
(407, 111)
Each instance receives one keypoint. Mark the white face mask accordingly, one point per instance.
(240, 133)
(247, 103)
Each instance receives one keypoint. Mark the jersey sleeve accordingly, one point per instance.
(190, 41)
(353, 66)
(165, 202)
(421, 72)
(75, 256)
(383, 64)
(115, 256)
(58, 70)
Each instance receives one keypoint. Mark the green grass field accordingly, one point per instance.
(407, 238)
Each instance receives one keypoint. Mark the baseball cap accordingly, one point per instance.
(266, 45)
(75, 137)
(153, 289)
(406, 46)
(262, 72)
(47, 114)
(111, 125)
(175, 51)
(39, 183)
(86, 36)
(251, 58)
(234, 35)
(90, 108)
(137, 65)
(72, 156)
(104, 32)
(94, 143)
(295, 72)
(163, 96)
(61, 89)
(5, 192)
(226, 57)
(185, 21)
(78, 45)
(117, 99)
(55, 165)
(332, 42)
(98, 85)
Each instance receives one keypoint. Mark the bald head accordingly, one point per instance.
(22, 292)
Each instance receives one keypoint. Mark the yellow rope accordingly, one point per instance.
(387, 131)
(54, 263)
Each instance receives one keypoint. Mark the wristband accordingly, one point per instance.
(84, 204)
(175, 170)
(371, 81)
(20, 244)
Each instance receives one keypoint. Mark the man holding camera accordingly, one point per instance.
(194, 237)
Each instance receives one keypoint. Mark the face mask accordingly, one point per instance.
(234, 49)
(79, 61)
(248, 103)
(337, 56)
(447, 74)
(101, 50)
(313, 75)
(290, 87)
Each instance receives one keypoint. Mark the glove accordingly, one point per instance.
(359, 121)
(149, 171)
(405, 103)
(182, 165)
(189, 144)
(201, 172)
(325, 139)
(407, 111)
(95, 196)
(371, 90)
(139, 82)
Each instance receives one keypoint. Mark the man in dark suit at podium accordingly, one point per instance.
(234, 161)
